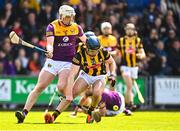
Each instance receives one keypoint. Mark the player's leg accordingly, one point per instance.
(80, 85)
(129, 83)
(61, 85)
(126, 75)
(102, 109)
(98, 88)
(62, 81)
(122, 107)
(134, 76)
(44, 80)
(85, 101)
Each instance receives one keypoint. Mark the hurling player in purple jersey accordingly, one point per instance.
(61, 42)
(112, 103)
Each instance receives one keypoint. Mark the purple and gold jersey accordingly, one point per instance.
(108, 42)
(112, 100)
(64, 46)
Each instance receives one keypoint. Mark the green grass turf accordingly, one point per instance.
(139, 121)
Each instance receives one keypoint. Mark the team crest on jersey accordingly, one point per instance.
(72, 30)
(65, 39)
(130, 50)
(94, 66)
(82, 73)
(49, 65)
(65, 32)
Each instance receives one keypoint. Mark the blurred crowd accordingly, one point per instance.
(157, 23)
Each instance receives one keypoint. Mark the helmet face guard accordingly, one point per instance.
(92, 52)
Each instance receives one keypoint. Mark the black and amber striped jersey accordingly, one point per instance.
(129, 47)
(93, 66)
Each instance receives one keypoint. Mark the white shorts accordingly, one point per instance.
(122, 108)
(55, 67)
(130, 71)
(91, 79)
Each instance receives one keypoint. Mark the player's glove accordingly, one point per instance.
(112, 80)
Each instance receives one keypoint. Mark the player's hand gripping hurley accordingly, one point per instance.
(16, 40)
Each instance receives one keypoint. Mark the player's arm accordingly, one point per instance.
(81, 34)
(112, 66)
(50, 40)
(73, 72)
(141, 53)
(114, 51)
(118, 52)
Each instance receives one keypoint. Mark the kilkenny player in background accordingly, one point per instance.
(61, 42)
(92, 61)
(131, 50)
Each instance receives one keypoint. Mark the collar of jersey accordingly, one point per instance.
(61, 24)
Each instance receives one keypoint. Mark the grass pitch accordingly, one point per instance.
(158, 121)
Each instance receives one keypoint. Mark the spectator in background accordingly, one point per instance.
(46, 15)
(1, 66)
(169, 19)
(135, 7)
(34, 64)
(8, 13)
(8, 65)
(153, 60)
(162, 54)
(102, 14)
(17, 28)
(170, 37)
(24, 10)
(174, 57)
(18, 67)
(153, 63)
(2, 55)
(159, 27)
(89, 15)
(4, 30)
(80, 11)
(115, 23)
(149, 44)
(43, 42)
(31, 28)
(32, 4)
(171, 5)
(22, 58)
(149, 16)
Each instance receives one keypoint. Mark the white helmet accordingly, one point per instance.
(66, 10)
(105, 25)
